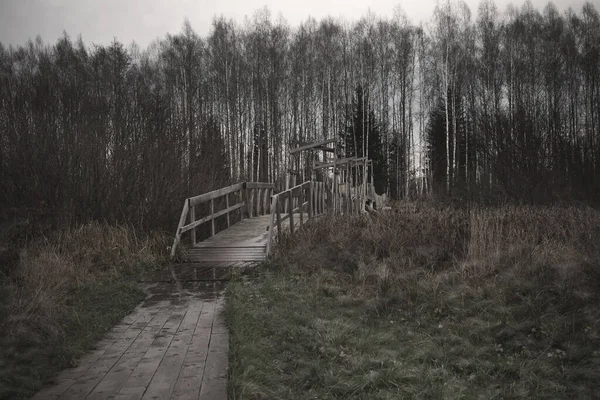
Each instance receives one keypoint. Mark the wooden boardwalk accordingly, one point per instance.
(173, 346)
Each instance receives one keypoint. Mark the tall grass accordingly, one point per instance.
(39, 291)
(479, 303)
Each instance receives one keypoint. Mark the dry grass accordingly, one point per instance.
(46, 298)
(426, 301)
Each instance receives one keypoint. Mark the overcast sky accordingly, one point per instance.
(99, 21)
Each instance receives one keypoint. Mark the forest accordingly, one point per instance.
(481, 105)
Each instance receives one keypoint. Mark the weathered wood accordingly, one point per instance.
(259, 185)
(251, 201)
(301, 206)
(194, 201)
(271, 225)
(211, 217)
(192, 220)
(227, 207)
(212, 220)
(311, 200)
(312, 146)
(291, 215)
(243, 241)
(338, 161)
(277, 206)
(266, 200)
(177, 239)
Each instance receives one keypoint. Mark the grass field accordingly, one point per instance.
(424, 302)
(60, 294)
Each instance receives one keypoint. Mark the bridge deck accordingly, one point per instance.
(243, 241)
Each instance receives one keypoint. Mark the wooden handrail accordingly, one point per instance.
(245, 189)
(314, 203)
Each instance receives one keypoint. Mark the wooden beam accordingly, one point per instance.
(271, 225)
(212, 220)
(227, 207)
(312, 146)
(194, 201)
(193, 225)
(337, 162)
(184, 212)
(259, 185)
(192, 220)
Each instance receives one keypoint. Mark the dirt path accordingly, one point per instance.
(173, 346)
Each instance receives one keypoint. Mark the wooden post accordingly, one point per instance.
(268, 194)
(227, 206)
(356, 195)
(259, 207)
(301, 205)
(193, 219)
(324, 197)
(271, 227)
(365, 179)
(348, 199)
(184, 213)
(291, 213)
(212, 221)
(311, 200)
(277, 211)
(250, 198)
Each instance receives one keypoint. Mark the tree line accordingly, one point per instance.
(496, 104)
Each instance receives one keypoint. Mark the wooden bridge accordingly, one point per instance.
(242, 222)
(251, 218)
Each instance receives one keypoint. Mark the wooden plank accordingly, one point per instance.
(310, 200)
(259, 208)
(194, 201)
(178, 232)
(312, 146)
(211, 217)
(251, 205)
(278, 211)
(271, 226)
(337, 162)
(212, 220)
(226, 209)
(301, 206)
(192, 220)
(291, 215)
(268, 194)
(259, 185)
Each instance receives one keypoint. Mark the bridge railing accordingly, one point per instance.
(253, 195)
(309, 196)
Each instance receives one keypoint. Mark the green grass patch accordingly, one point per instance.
(397, 308)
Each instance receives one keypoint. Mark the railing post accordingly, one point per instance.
(291, 211)
(212, 221)
(250, 202)
(271, 227)
(310, 202)
(265, 200)
(301, 205)
(277, 211)
(259, 209)
(181, 222)
(193, 219)
(227, 206)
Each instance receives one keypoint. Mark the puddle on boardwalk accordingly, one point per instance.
(177, 293)
(196, 272)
